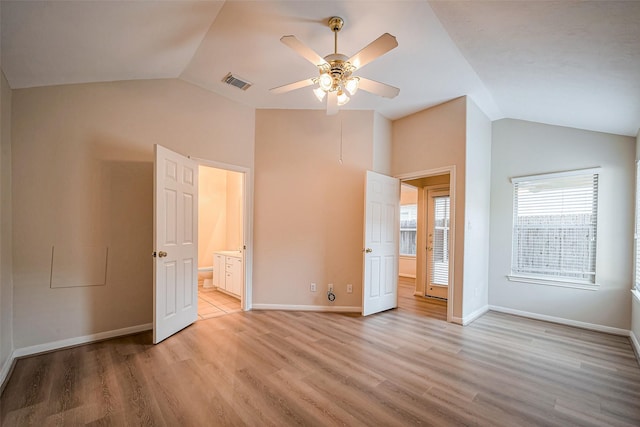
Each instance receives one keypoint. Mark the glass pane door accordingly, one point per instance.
(438, 221)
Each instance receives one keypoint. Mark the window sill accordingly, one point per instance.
(558, 283)
(407, 256)
(636, 294)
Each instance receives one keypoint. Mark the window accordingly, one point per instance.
(408, 229)
(555, 227)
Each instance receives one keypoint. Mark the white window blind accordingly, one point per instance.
(637, 230)
(440, 257)
(555, 226)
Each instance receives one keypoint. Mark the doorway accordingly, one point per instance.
(429, 271)
(220, 241)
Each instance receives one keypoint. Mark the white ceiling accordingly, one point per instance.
(560, 62)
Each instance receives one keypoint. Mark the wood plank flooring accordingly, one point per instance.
(270, 368)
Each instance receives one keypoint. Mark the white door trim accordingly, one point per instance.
(247, 226)
(451, 170)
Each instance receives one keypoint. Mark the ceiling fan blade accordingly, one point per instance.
(303, 50)
(292, 86)
(332, 103)
(378, 88)
(376, 48)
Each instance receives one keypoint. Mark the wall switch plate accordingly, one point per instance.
(313, 287)
(330, 287)
(349, 288)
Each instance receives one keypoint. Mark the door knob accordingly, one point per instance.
(368, 250)
(162, 254)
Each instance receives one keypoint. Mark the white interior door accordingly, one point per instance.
(175, 240)
(381, 235)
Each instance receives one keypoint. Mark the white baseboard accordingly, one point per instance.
(562, 321)
(473, 316)
(635, 344)
(292, 307)
(5, 370)
(70, 342)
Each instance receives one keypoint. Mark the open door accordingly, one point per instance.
(381, 234)
(175, 242)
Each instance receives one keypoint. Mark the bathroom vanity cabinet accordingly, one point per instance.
(228, 272)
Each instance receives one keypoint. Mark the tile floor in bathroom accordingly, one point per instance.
(212, 303)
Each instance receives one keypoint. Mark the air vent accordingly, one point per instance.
(236, 81)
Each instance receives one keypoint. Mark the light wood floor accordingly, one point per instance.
(213, 303)
(402, 367)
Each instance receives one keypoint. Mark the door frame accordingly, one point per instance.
(421, 259)
(247, 223)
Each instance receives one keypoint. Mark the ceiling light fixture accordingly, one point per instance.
(335, 74)
(334, 81)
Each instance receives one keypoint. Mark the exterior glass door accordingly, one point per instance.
(438, 221)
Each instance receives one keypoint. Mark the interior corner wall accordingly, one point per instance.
(381, 144)
(212, 213)
(431, 139)
(83, 177)
(635, 303)
(477, 212)
(234, 237)
(309, 206)
(521, 148)
(6, 276)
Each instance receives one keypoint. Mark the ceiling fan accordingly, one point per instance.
(335, 79)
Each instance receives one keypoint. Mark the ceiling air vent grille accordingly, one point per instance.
(236, 81)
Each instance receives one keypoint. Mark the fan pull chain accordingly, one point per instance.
(340, 160)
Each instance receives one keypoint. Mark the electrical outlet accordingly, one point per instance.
(349, 288)
(330, 287)
(313, 287)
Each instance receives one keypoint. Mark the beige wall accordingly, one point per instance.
(234, 236)
(635, 301)
(219, 212)
(6, 283)
(431, 139)
(309, 207)
(408, 195)
(381, 144)
(212, 213)
(522, 148)
(477, 209)
(82, 176)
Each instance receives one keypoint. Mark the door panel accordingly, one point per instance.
(175, 243)
(438, 223)
(382, 209)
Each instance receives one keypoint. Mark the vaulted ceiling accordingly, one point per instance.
(570, 63)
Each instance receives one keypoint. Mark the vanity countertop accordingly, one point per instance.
(229, 253)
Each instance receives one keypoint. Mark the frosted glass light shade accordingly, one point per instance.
(343, 98)
(319, 93)
(352, 85)
(325, 81)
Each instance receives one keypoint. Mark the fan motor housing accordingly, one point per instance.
(339, 66)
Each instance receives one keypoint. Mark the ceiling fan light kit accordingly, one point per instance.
(335, 70)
